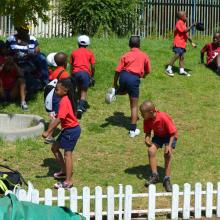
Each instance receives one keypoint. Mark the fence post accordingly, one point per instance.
(175, 202)
(98, 203)
(151, 202)
(73, 199)
(218, 200)
(120, 201)
(48, 197)
(198, 200)
(22, 195)
(35, 196)
(209, 199)
(86, 202)
(186, 201)
(61, 197)
(110, 203)
(128, 202)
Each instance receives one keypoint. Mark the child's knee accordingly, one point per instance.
(151, 151)
(167, 156)
(55, 148)
(67, 154)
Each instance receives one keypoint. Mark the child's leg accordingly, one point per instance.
(181, 61)
(69, 166)
(58, 155)
(152, 151)
(173, 59)
(134, 112)
(167, 160)
(19, 89)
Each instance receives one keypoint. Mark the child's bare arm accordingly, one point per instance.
(93, 69)
(191, 42)
(190, 27)
(148, 139)
(51, 127)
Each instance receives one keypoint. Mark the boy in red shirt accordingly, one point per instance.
(83, 70)
(179, 44)
(12, 83)
(133, 65)
(213, 53)
(165, 133)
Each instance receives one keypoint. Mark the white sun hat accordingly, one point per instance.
(50, 59)
(83, 40)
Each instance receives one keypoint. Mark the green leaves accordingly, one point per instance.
(21, 11)
(91, 16)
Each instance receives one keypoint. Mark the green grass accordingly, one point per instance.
(105, 155)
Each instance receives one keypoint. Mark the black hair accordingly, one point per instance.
(70, 85)
(80, 45)
(60, 59)
(134, 41)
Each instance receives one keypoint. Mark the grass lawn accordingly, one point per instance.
(105, 155)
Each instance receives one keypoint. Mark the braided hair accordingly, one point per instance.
(70, 85)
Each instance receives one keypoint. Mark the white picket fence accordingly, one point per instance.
(120, 205)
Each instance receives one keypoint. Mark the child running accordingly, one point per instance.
(213, 53)
(83, 70)
(179, 44)
(12, 83)
(133, 65)
(69, 135)
(165, 133)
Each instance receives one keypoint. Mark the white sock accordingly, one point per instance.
(23, 102)
(169, 67)
(182, 70)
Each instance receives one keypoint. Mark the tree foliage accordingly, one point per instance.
(91, 16)
(22, 11)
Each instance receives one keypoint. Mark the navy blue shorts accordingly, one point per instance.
(68, 138)
(179, 50)
(160, 141)
(129, 83)
(82, 79)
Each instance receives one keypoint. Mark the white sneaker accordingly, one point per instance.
(169, 72)
(24, 106)
(184, 73)
(132, 134)
(110, 96)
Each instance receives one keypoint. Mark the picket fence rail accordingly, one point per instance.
(186, 204)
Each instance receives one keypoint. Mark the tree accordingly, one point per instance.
(89, 16)
(22, 11)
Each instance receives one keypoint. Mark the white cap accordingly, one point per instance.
(83, 40)
(50, 59)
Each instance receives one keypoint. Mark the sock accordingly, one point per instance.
(23, 102)
(169, 67)
(181, 70)
(166, 178)
(154, 174)
(133, 127)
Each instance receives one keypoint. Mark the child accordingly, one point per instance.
(69, 135)
(213, 53)
(12, 83)
(133, 65)
(165, 133)
(60, 60)
(179, 44)
(83, 70)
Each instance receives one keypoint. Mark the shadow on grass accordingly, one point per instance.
(117, 119)
(144, 171)
(52, 165)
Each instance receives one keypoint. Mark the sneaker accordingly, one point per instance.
(63, 185)
(184, 73)
(152, 180)
(132, 134)
(169, 72)
(110, 96)
(49, 140)
(167, 185)
(24, 106)
(79, 113)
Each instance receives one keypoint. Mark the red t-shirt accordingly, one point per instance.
(162, 125)
(57, 71)
(81, 60)
(135, 61)
(180, 36)
(212, 51)
(66, 114)
(8, 80)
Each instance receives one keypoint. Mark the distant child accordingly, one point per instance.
(12, 83)
(69, 135)
(60, 60)
(213, 53)
(165, 133)
(83, 70)
(133, 65)
(179, 44)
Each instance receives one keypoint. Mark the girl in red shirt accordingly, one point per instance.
(69, 135)
(12, 83)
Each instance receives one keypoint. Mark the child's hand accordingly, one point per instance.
(148, 141)
(45, 134)
(168, 150)
(52, 115)
(193, 45)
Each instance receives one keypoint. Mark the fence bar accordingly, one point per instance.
(151, 202)
(98, 203)
(128, 202)
(186, 201)
(110, 203)
(198, 200)
(209, 200)
(86, 202)
(175, 202)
